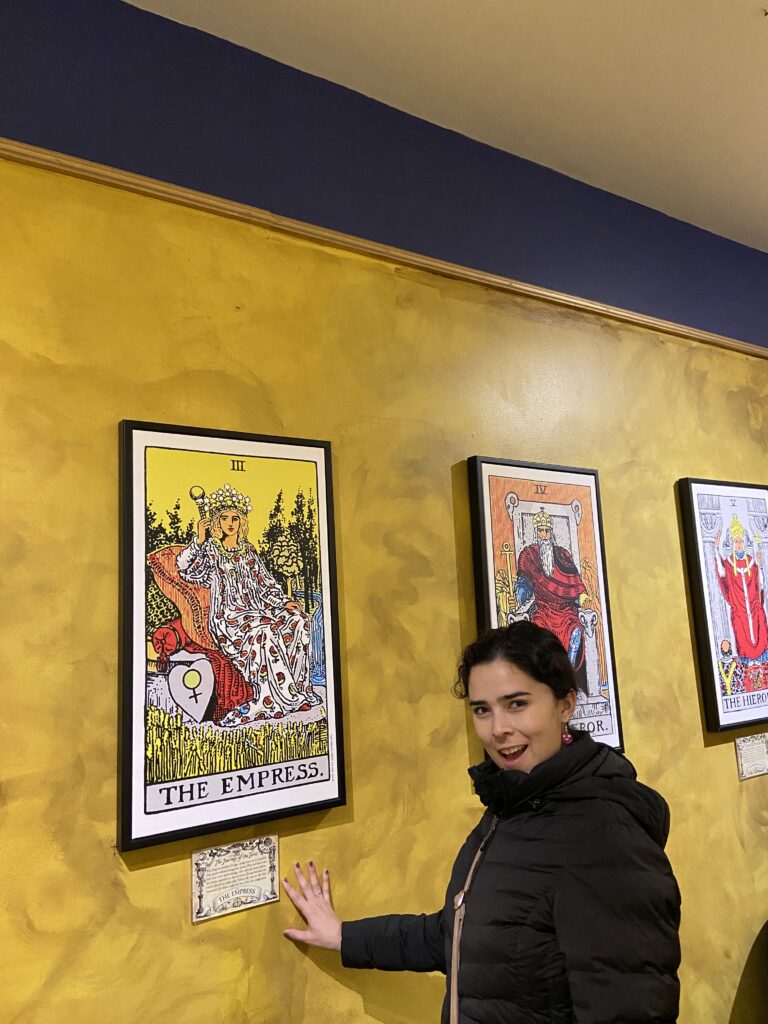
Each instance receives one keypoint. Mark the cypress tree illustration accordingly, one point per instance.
(302, 529)
(272, 544)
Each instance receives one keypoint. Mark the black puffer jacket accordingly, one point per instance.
(573, 912)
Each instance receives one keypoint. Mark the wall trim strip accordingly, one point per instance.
(35, 156)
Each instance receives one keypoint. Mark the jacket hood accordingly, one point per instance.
(585, 770)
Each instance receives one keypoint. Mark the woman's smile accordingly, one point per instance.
(511, 755)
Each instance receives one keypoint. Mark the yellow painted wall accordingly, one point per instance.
(114, 306)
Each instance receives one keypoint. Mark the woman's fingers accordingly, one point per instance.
(295, 897)
(298, 935)
(314, 881)
(301, 880)
(314, 885)
(309, 889)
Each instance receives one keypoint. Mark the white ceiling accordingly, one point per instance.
(662, 101)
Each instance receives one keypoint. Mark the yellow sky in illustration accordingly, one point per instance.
(170, 474)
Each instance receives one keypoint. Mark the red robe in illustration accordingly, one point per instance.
(231, 689)
(740, 581)
(556, 595)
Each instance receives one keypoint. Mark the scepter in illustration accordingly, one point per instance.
(197, 494)
(759, 560)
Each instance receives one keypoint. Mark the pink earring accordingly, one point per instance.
(567, 735)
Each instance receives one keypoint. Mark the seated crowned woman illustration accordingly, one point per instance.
(251, 620)
(256, 637)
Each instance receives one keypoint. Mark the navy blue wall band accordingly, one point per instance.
(105, 81)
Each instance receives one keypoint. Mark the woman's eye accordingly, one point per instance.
(479, 711)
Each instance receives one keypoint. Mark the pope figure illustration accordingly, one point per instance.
(740, 578)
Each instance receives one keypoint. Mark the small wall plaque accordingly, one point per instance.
(233, 877)
(752, 755)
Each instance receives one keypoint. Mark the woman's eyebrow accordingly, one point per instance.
(506, 696)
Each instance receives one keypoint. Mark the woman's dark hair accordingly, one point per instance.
(526, 646)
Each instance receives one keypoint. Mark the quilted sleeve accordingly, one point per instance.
(395, 942)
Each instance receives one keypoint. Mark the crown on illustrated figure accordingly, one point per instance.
(737, 529)
(226, 497)
(542, 520)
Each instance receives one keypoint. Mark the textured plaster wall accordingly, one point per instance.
(114, 306)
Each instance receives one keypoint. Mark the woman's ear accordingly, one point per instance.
(569, 705)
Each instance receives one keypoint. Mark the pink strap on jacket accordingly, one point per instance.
(459, 906)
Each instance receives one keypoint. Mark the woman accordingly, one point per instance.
(562, 907)
(265, 636)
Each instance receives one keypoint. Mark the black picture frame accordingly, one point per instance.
(727, 596)
(509, 501)
(230, 707)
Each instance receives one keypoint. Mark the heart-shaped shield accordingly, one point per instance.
(191, 682)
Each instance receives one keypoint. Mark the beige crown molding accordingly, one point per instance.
(21, 152)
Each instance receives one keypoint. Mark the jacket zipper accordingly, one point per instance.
(460, 906)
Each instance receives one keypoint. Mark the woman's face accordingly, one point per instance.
(229, 523)
(518, 720)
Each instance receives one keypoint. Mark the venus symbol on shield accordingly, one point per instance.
(191, 683)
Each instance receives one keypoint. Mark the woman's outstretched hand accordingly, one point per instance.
(313, 901)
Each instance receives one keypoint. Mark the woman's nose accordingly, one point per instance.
(502, 725)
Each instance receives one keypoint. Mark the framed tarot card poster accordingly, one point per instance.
(538, 555)
(725, 527)
(230, 705)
